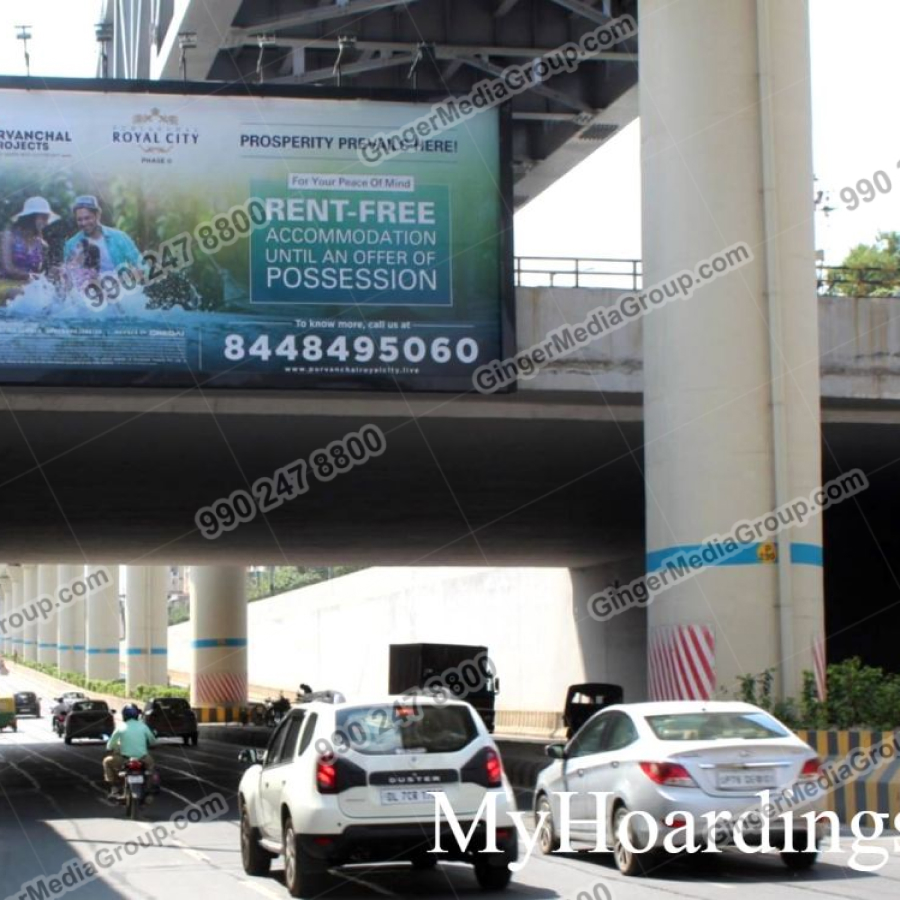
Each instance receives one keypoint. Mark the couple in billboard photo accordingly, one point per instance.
(94, 249)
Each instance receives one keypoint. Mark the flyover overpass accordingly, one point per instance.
(552, 473)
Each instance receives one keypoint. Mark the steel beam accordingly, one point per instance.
(322, 14)
(357, 68)
(582, 9)
(441, 51)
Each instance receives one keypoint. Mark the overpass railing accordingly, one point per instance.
(627, 275)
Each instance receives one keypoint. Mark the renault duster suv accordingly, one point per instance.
(344, 783)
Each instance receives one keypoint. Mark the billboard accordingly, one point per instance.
(159, 234)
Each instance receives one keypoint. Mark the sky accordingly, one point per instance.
(855, 132)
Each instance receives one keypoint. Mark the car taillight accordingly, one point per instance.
(336, 775)
(669, 774)
(483, 768)
(326, 777)
(812, 768)
(493, 769)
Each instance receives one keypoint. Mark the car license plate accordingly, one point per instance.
(135, 779)
(406, 795)
(745, 779)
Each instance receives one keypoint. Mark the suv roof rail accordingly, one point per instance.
(322, 697)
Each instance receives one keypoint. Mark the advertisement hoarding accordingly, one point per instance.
(234, 237)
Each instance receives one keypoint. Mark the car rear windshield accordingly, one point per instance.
(380, 730)
(712, 726)
(173, 704)
(91, 706)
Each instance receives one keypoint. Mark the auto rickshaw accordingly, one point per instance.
(8, 713)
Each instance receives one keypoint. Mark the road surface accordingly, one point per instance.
(54, 817)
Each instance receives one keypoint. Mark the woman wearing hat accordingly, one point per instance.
(23, 251)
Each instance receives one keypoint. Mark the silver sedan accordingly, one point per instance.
(690, 774)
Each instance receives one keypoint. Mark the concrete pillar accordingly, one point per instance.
(29, 610)
(102, 643)
(727, 157)
(614, 650)
(48, 647)
(146, 626)
(5, 610)
(71, 620)
(16, 631)
(219, 636)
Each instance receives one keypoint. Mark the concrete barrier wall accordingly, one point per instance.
(336, 635)
(859, 345)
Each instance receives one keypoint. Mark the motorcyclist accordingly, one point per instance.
(131, 740)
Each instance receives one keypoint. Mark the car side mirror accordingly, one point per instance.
(555, 751)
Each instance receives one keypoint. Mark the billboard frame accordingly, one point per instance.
(506, 274)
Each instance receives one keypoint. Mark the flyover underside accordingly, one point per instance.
(522, 480)
(455, 486)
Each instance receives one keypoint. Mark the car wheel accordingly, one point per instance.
(799, 860)
(194, 738)
(186, 739)
(549, 839)
(67, 739)
(254, 859)
(492, 877)
(629, 863)
(302, 876)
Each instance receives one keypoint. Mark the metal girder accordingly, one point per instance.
(582, 9)
(363, 65)
(463, 52)
(323, 14)
(538, 88)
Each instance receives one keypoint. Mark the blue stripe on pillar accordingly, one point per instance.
(745, 555)
(45, 646)
(78, 647)
(66, 647)
(206, 643)
(93, 650)
(142, 651)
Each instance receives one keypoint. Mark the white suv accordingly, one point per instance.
(351, 783)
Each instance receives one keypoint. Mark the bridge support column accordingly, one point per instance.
(48, 646)
(102, 642)
(29, 612)
(71, 620)
(5, 610)
(16, 629)
(219, 637)
(146, 623)
(731, 374)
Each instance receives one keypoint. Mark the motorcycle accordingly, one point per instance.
(139, 786)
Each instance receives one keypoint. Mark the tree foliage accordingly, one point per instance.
(869, 270)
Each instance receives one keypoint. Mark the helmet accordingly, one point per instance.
(130, 712)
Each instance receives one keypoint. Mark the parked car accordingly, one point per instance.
(661, 758)
(583, 700)
(28, 704)
(351, 782)
(89, 719)
(172, 717)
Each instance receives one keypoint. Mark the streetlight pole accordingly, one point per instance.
(24, 36)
